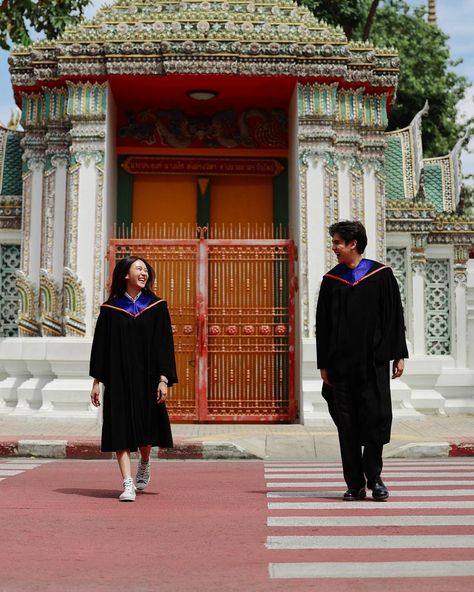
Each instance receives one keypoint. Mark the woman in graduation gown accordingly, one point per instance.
(133, 357)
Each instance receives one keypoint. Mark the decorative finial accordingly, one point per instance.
(14, 121)
(432, 12)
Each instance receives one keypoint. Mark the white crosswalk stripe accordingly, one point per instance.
(17, 466)
(387, 473)
(340, 483)
(407, 465)
(323, 492)
(370, 542)
(392, 569)
(345, 521)
(424, 514)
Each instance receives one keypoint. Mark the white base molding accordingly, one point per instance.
(431, 385)
(48, 377)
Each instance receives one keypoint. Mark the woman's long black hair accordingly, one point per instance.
(119, 283)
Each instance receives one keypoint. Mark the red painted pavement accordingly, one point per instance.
(200, 526)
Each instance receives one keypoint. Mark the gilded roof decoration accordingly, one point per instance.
(11, 184)
(404, 159)
(434, 209)
(442, 179)
(10, 163)
(221, 37)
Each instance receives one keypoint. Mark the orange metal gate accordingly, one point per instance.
(232, 308)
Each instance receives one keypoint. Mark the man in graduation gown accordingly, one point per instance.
(359, 330)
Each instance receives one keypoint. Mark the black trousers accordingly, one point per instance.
(352, 410)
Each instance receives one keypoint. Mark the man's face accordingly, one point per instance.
(345, 252)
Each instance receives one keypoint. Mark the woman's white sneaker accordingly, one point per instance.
(143, 474)
(128, 494)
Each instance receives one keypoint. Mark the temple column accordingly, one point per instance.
(461, 256)
(90, 203)
(85, 243)
(312, 210)
(418, 264)
(370, 208)
(53, 218)
(317, 206)
(470, 313)
(33, 378)
(28, 277)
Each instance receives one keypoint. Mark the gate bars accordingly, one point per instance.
(232, 305)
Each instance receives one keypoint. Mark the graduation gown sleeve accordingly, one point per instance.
(99, 366)
(166, 364)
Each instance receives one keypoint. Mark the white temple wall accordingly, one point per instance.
(311, 272)
(344, 191)
(86, 224)
(317, 236)
(34, 236)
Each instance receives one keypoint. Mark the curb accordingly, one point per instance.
(90, 450)
(198, 450)
(433, 450)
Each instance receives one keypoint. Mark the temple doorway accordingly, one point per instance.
(226, 269)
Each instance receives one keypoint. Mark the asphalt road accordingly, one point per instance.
(230, 526)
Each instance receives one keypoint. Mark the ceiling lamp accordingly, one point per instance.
(202, 95)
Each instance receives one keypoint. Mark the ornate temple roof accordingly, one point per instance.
(197, 37)
(404, 159)
(423, 194)
(405, 165)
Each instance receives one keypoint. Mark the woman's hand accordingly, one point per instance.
(161, 391)
(397, 368)
(95, 393)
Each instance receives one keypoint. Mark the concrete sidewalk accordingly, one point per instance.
(424, 436)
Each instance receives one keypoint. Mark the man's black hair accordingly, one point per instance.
(350, 230)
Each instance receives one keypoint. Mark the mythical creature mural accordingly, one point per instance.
(253, 128)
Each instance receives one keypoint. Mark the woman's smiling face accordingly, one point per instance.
(137, 276)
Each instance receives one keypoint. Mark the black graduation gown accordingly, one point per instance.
(129, 354)
(359, 329)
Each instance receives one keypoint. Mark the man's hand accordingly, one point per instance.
(325, 376)
(397, 368)
(95, 393)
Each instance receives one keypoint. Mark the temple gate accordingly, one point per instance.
(232, 307)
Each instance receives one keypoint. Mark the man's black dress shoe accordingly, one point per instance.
(379, 491)
(353, 495)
